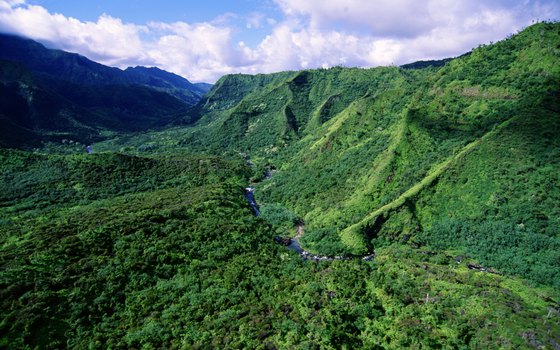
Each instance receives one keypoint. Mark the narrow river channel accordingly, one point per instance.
(293, 243)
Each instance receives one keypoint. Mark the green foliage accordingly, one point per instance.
(516, 249)
(156, 246)
(474, 139)
(324, 241)
(185, 264)
(279, 217)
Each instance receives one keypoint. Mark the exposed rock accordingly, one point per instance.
(531, 339)
(482, 269)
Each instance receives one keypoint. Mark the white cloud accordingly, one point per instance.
(286, 48)
(201, 52)
(381, 17)
(308, 34)
(109, 39)
(401, 31)
(11, 3)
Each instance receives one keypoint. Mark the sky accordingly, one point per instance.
(204, 39)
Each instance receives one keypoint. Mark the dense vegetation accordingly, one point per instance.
(448, 170)
(113, 251)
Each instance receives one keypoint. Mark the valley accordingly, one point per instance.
(415, 206)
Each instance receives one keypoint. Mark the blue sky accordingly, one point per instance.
(203, 40)
(141, 11)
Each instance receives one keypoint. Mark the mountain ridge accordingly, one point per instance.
(71, 97)
(76, 68)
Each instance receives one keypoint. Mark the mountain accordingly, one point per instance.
(367, 157)
(66, 96)
(425, 64)
(204, 87)
(80, 70)
(425, 198)
(425, 156)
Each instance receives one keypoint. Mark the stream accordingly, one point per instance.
(250, 195)
(293, 243)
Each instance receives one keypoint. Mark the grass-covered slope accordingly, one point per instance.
(263, 114)
(114, 251)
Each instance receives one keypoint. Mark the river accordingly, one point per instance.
(294, 244)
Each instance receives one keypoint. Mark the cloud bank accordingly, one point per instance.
(308, 34)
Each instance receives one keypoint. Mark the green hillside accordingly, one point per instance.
(447, 171)
(478, 140)
(366, 157)
(455, 139)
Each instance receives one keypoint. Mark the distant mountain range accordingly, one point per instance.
(49, 95)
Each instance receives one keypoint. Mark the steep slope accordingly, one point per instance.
(80, 70)
(66, 96)
(52, 110)
(469, 132)
(263, 114)
(57, 63)
(358, 153)
(168, 82)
